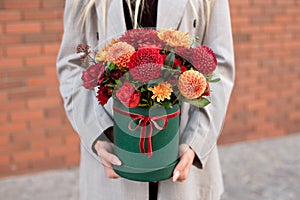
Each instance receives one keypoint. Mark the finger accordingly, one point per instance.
(103, 150)
(110, 173)
(182, 169)
(111, 158)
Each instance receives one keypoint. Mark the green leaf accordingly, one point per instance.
(214, 80)
(154, 82)
(200, 103)
(143, 105)
(170, 59)
(111, 66)
(110, 85)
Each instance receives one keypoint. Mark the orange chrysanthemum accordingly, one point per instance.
(161, 91)
(175, 38)
(120, 53)
(192, 84)
(123, 60)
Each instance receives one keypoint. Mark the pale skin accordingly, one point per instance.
(108, 159)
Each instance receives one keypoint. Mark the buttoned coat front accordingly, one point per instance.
(199, 128)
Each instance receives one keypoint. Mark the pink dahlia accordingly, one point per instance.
(142, 38)
(145, 64)
(204, 59)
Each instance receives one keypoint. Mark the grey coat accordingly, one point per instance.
(199, 128)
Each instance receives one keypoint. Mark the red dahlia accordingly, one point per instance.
(103, 94)
(142, 38)
(204, 59)
(145, 64)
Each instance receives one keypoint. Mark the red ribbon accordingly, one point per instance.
(144, 120)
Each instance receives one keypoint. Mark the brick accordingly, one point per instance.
(11, 62)
(14, 126)
(4, 139)
(40, 81)
(41, 60)
(73, 159)
(4, 159)
(49, 163)
(63, 150)
(11, 105)
(16, 4)
(53, 4)
(41, 14)
(3, 119)
(23, 50)
(23, 27)
(29, 156)
(10, 84)
(42, 124)
(23, 115)
(10, 39)
(26, 93)
(41, 38)
(51, 72)
(44, 102)
(51, 48)
(52, 91)
(10, 15)
(54, 112)
(45, 143)
(53, 26)
(21, 72)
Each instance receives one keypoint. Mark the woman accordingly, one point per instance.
(198, 174)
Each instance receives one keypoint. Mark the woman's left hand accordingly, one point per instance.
(182, 169)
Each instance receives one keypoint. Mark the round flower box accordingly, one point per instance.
(146, 140)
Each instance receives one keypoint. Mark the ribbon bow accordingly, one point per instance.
(144, 121)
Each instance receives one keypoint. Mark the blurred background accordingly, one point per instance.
(35, 135)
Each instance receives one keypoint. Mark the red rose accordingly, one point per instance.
(116, 74)
(104, 93)
(128, 96)
(92, 75)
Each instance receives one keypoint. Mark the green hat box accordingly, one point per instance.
(145, 166)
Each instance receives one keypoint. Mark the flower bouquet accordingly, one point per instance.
(149, 73)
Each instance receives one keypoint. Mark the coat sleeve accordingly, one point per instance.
(87, 117)
(204, 125)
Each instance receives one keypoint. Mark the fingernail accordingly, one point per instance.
(175, 176)
(117, 162)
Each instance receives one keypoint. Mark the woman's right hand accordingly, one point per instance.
(104, 150)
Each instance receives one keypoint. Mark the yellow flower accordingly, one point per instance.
(175, 38)
(161, 91)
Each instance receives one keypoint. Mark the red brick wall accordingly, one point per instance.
(35, 134)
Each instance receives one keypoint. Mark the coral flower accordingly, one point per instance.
(102, 54)
(161, 91)
(175, 38)
(120, 53)
(192, 84)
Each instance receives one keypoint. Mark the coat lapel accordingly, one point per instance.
(115, 21)
(170, 13)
